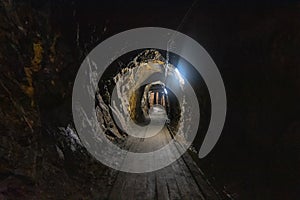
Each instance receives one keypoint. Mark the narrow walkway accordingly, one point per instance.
(180, 180)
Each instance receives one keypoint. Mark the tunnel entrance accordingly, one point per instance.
(143, 99)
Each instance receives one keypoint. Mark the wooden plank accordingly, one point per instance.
(151, 186)
(207, 190)
(180, 180)
(194, 190)
(162, 192)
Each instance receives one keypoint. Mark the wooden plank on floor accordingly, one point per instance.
(207, 190)
(194, 190)
(162, 192)
(180, 180)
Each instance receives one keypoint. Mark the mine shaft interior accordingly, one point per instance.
(151, 101)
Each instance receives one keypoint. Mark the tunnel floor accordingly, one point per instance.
(180, 180)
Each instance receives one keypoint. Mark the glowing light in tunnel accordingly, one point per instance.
(165, 90)
(178, 75)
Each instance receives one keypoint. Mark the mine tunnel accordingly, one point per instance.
(152, 96)
(160, 95)
(154, 99)
(145, 94)
(157, 95)
(255, 45)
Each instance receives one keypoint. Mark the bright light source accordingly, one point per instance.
(179, 77)
(166, 92)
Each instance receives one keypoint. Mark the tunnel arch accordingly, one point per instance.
(106, 86)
